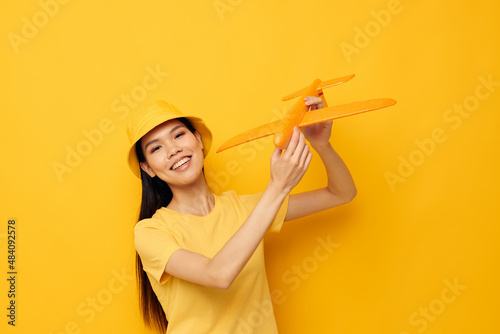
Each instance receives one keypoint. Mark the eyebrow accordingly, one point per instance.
(156, 139)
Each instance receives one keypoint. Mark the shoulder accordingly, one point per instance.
(145, 226)
(151, 232)
(157, 222)
(154, 221)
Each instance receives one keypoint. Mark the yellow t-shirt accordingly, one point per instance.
(192, 308)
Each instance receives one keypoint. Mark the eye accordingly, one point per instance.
(154, 149)
(180, 134)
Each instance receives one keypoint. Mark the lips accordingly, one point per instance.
(180, 162)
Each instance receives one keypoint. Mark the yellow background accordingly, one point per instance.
(397, 244)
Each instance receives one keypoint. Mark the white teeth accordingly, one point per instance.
(180, 163)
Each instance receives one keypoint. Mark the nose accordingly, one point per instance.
(173, 150)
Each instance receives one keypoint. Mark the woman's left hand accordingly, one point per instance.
(317, 134)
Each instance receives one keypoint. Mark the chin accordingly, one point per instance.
(187, 177)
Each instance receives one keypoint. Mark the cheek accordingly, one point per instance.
(196, 145)
(155, 162)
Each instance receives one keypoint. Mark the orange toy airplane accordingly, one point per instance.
(301, 117)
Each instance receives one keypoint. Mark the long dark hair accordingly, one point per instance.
(155, 194)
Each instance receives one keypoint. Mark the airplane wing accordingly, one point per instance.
(343, 110)
(256, 133)
(324, 84)
(311, 117)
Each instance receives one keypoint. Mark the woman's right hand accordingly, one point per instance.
(288, 168)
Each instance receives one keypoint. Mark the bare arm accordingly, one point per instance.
(340, 188)
(221, 270)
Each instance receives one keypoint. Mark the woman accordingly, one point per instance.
(200, 259)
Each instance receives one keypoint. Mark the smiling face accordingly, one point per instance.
(173, 153)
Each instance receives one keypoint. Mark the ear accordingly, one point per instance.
(145, 167)
(198, 137)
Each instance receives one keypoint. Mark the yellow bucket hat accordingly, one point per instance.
(147, 119)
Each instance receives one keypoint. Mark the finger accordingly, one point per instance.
(301, 147)
(308, 160)
(292, 144)
(276, 153)
(304, 155)
(317, 106)
(315, 102)
(301, 143)
(312, 100)
(306, 164)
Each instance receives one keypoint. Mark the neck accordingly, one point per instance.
(194, 199)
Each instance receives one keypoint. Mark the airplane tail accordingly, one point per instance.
(324, 84)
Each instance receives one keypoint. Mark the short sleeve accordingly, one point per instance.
(154, 244)
(251, 201)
